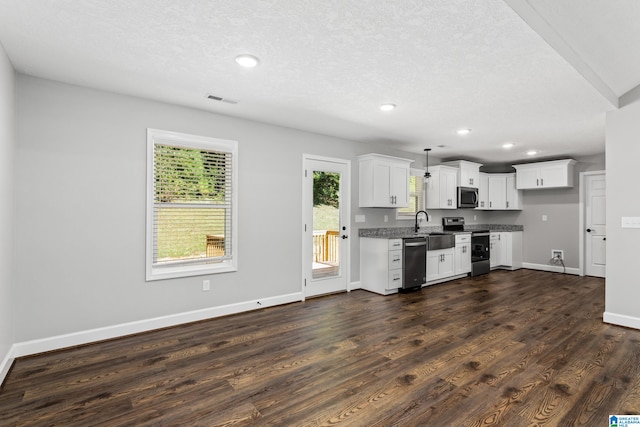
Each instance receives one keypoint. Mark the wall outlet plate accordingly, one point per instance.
(557, 254)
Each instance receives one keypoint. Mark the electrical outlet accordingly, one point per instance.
(206, 285)
(557, 254)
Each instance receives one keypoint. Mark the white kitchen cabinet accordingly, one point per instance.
(441, 189)
(440, 264)
(463, 254)
(468, 173)
(383, 181)
(506, 250)
(497, 191)
(552, 174)
(502, 193)
(483, 191)
(380, 265)
(514, 196)
(496, 252)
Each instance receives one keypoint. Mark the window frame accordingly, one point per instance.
(401, 216)
(192, 267)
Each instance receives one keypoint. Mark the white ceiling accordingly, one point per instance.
(326, 66)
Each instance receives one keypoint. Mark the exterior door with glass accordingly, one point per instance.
(326, 198)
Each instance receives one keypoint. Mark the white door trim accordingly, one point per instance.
(306, 271)
(581, 218)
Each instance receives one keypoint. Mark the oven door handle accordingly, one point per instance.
(480, 234)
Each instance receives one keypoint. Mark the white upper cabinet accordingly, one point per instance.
(502, 193)
(514, 196)
(383, 181)
(441, 189)
(553, 174)
(468, 172)
(483, 191)
(497, 191)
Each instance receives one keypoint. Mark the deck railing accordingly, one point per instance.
(326, 246)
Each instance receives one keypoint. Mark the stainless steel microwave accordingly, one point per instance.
(467, 197)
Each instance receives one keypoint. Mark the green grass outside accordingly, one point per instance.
(326, 218)
(186, 237)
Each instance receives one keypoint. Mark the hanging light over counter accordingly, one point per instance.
(427, 175)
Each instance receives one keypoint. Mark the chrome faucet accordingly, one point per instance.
(426, 215)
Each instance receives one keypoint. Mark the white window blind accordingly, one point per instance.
(191, 205)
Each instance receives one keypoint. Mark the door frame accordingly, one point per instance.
(582, 250)
(306, 266)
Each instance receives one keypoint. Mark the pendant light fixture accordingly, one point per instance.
(427, 175)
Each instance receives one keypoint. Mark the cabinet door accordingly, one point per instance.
(463, 258)
(506, 247)
(448, 189)
(433, 265)
(553, 176)
(469, 176)
(447, 265)
(527, 178)
(382, 184)
(483, 191)
(399, 178)
(495, 250)
(497, 192)
(513, 194)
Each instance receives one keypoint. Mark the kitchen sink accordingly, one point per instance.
(441, 241)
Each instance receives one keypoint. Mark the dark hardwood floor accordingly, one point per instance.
(505, 349)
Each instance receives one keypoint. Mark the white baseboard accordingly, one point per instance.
(115, 331)
(621, 320)
(551, 268)
(355, 285)
(6, 364)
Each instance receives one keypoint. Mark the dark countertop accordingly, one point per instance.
(403, 232)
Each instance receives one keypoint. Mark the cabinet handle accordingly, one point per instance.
(507, 203)
(471, 181)
(490, 204)
(537, 182)
(541, 182)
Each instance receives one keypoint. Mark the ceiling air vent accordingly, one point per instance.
(221, 99)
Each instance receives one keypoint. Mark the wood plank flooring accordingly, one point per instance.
(504, 349)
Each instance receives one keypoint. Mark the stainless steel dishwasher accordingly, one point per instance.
(414, 259)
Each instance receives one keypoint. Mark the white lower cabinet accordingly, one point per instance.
(495, 249)
(380, 265)
(440, 264)
(506, 250)
(463, 254)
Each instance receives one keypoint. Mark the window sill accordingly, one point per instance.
(174, 272)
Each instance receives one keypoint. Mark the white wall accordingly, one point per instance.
(623, 151)
(80, 204)
(7, 142)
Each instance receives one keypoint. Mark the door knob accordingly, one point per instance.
(344, 236)
(604, 238)
(589, 230)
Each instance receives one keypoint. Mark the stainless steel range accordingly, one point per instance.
(480, 245)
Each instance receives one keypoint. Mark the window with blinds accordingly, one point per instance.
(190, 205)
(416, 196)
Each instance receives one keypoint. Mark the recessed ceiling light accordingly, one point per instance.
(507, 145)
(247, 61)
(463, 131)
(532, 153)
(388, 107)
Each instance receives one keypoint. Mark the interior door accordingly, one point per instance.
(326, 198)
(595, 225)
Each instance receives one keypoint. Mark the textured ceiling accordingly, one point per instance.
(326, 66)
